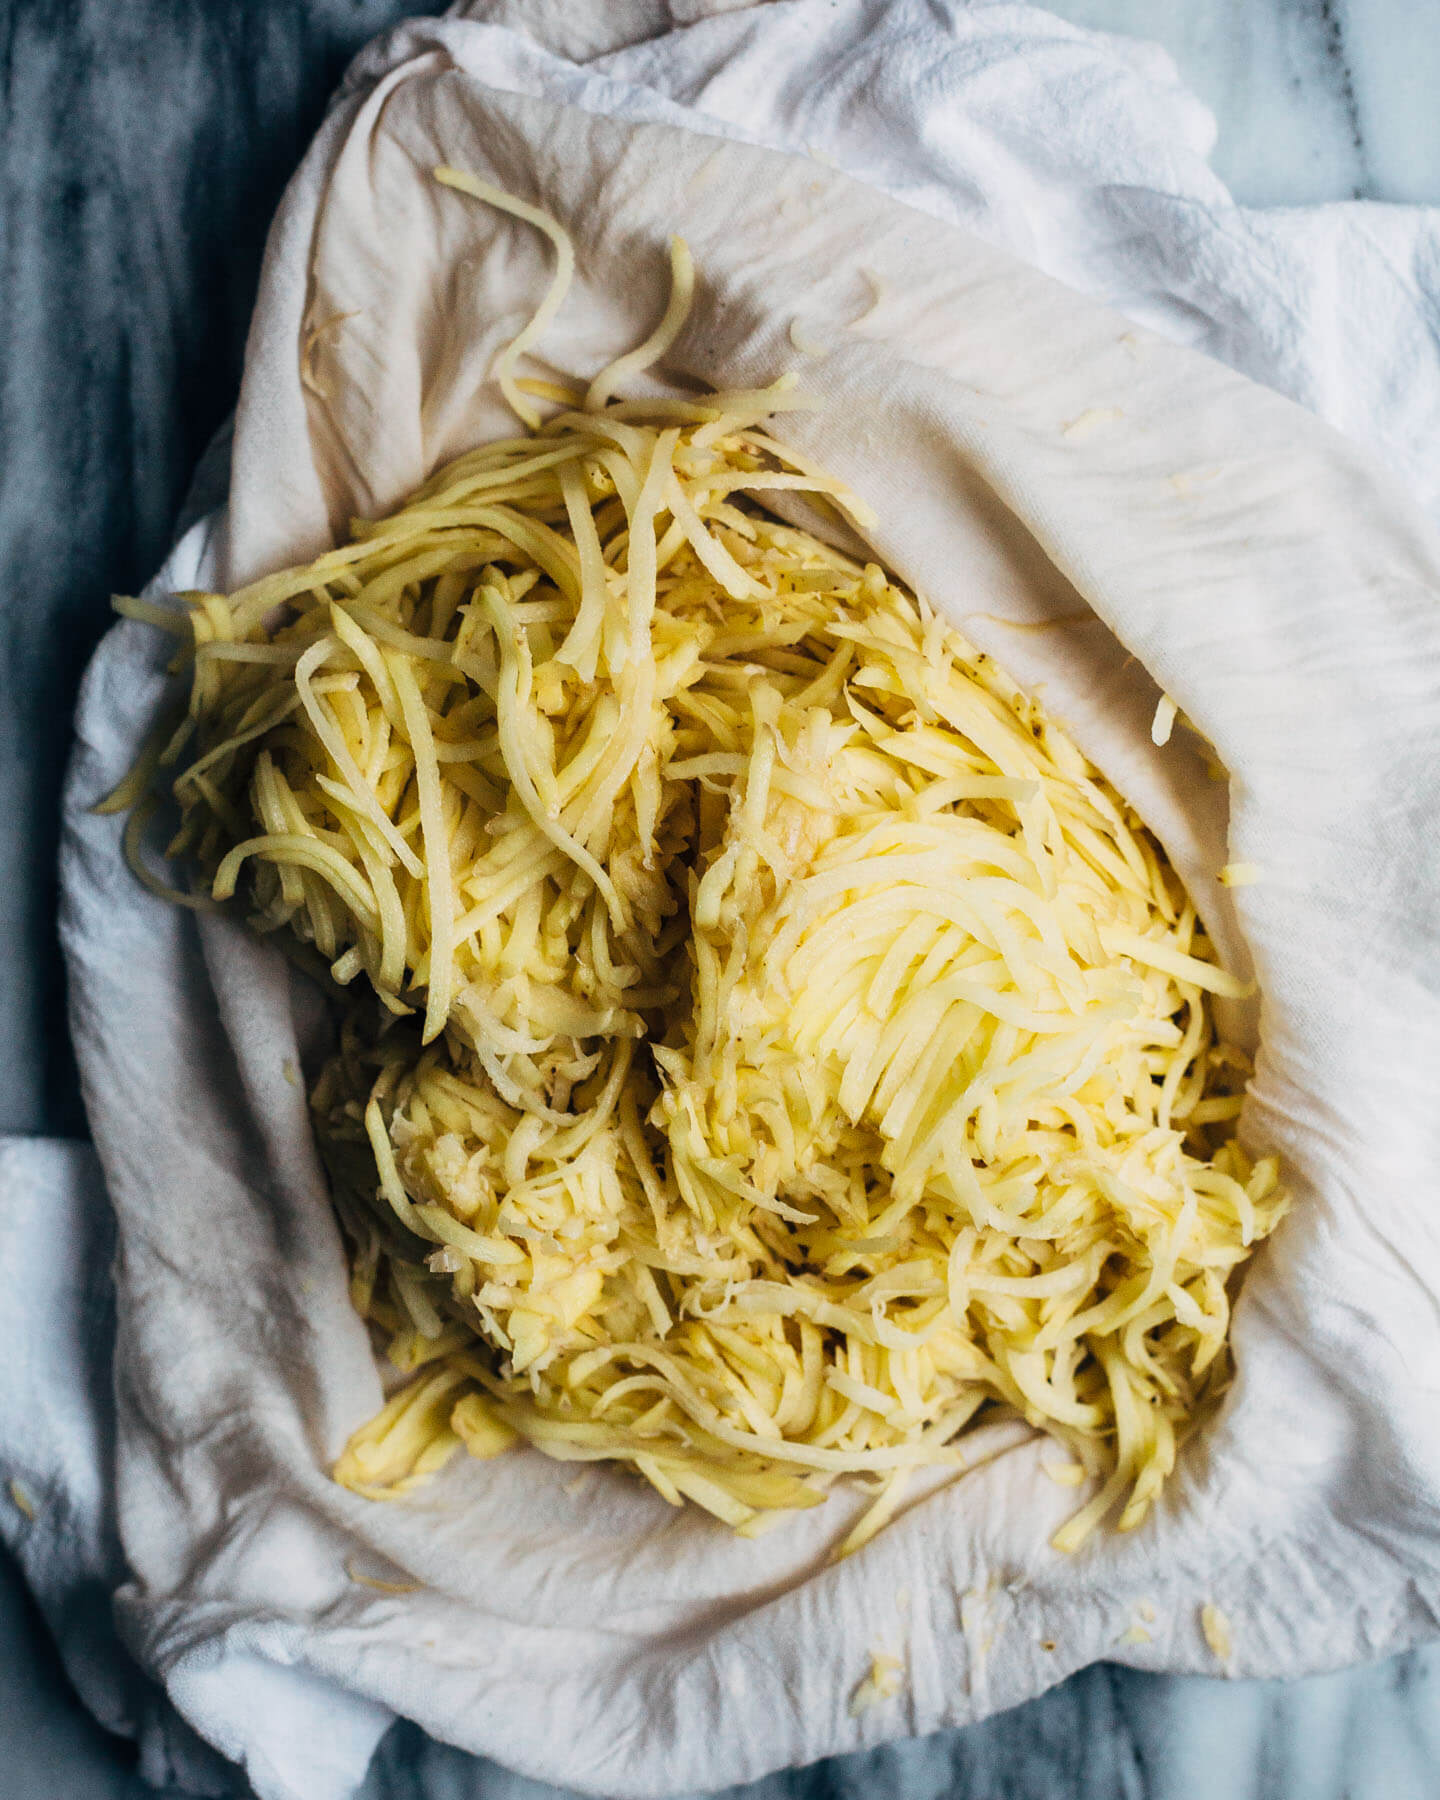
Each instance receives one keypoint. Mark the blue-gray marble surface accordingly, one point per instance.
(143, 147)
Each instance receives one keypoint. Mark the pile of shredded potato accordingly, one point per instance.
(768, 1043)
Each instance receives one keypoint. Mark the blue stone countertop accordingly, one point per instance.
(145, 145)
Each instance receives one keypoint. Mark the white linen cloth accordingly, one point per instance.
(1031, 455)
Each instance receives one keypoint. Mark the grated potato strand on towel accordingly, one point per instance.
(768, 1044)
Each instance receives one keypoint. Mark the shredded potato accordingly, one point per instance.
(768, 1045)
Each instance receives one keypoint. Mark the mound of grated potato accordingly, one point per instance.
(768, 1045)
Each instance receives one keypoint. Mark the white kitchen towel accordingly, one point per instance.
(1031, 454)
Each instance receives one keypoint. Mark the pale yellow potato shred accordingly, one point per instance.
(769, 1046)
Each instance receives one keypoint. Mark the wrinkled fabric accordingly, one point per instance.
(988, 244)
